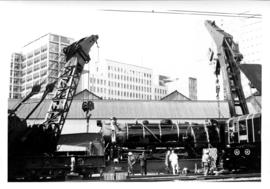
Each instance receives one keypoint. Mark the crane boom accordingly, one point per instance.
(76, 57)
(228, 61)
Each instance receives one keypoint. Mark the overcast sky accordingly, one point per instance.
(171, 44)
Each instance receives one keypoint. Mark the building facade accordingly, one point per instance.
(42, 60)
(15, 76)
(192, 86)
(111, 79)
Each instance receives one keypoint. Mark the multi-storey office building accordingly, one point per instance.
(192, 85)
(116, 80)
(15, 75)
(42, 60)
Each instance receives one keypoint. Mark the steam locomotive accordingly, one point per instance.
(237, 140)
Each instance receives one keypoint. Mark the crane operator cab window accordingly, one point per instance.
(243, 137)
(232, 131)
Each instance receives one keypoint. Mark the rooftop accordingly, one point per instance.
(131, 109)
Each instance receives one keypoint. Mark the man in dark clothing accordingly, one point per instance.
(143, 165)
(131, 162)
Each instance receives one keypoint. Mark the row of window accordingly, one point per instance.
(36, 75)
(36, 60)
(120, 85)
(37, 51)
(15, 96)
(130, 87)
(55, 38)
(127, 78)
(124, 94)
(123, 70)
(160, 91)
(15, 81)
(16, 73)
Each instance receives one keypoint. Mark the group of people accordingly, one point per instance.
(171, 162)
(132, 160)
(171, 158)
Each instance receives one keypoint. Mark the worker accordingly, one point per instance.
(113, 129)
(143, 164)
(131, 162)
(167, 160)
(174, 162)
(206, 162)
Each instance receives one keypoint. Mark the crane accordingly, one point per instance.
(76, 57)
(228, 61)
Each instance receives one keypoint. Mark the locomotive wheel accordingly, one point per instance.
(247, 152)
(236, 152)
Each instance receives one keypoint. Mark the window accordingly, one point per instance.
(43, 56)
(30, 55)
(29, 70)
(44, 48)
(54, 47)
(43, 73)
(23, 65)
(37, 51)
(37, 59)
(54, 38)
(53, 65)
(242, 127)
(54, 56)
(36, 67)
(36, 75)
(29, 78)
(65, 40)
(29, 62)
(43, 64)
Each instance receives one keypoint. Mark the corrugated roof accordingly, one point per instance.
(126, 109)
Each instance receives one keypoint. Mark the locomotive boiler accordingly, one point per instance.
(191, 137)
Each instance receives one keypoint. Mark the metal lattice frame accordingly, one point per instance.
(76, 56)
(229, 58)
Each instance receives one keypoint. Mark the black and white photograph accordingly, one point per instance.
(133, 91)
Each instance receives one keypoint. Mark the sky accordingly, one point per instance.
(170, 44)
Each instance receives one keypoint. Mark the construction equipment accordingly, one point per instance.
(243, 130)
(228, 61)
(28, 145)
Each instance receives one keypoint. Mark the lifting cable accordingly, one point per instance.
(217, 95)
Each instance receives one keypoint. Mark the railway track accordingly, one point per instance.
(250, 177)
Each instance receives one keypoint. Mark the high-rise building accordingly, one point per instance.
(111, 79)
(192, 85)
(15, 75)
(42, 60)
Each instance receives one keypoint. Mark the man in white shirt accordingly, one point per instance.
(173, 158)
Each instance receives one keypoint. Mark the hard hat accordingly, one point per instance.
(130, 153)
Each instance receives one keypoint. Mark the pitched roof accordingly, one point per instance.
(86, 94)
(131, 109)
(175, 95)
